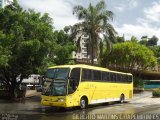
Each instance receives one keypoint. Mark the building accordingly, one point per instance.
(83, 56)
(4, 3)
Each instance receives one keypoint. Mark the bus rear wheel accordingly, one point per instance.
(122, 98)
(83, 103)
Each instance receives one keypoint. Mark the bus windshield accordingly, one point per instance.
(57, 77)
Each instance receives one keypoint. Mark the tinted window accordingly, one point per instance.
(86, 75)
(119, 77)
(57, 73)
(122, 78)
(75, 74)
(129, 79)
(113, 77)
(105, 76)
(125, 78)
(96, 75)
(74, 80)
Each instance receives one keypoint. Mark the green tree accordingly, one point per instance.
(62, 38)
(152, 41)
(144, 37)
(156, 51)
(144, 40)
(120, 39)
(4, 52)
(134, 39)
(64, 48)
(131, 56)
(26, 42)
(95, 20)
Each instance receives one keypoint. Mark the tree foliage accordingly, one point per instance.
(131, 56)
(26, 41)
(152, 41)
(64, 48)
(156, 51)
(120, 39)
(95, 20)
(149, 41)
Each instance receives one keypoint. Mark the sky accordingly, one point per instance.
(131, 17)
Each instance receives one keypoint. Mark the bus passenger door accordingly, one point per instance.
(73, 84)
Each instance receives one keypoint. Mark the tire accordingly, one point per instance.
(122, 98)
(83, 103)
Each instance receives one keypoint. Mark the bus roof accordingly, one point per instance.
(86, 66)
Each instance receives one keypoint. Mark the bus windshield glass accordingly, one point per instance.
(58, 81)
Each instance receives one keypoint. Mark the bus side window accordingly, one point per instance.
(86, 75)
(118, 77)
(111, 77)
(129, 79)
(114, 77)
(125, 78)
(74, 80)
(96, 75)
(105, 76)
(122, 78)
(75, 74)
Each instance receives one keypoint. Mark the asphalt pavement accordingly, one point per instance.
(141, 106)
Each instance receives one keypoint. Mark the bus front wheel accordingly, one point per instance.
(83, 103)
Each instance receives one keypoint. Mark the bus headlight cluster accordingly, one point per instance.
(61, 99)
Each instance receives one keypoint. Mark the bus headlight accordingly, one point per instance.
(61, 99)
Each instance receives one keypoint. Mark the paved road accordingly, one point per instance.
(141, 104)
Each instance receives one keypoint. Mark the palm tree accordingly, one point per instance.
(94, 21)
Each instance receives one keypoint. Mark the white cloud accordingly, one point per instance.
(144, 25)
(137, 30)
(153, 13)
(130, 5)
(119, 8)
(133, 3)
(59, 10)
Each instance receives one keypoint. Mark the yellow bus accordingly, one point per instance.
(83, 85)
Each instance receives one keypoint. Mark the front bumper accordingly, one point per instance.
(59, 101)
(58, 104)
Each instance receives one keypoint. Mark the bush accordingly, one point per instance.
(156, 92)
